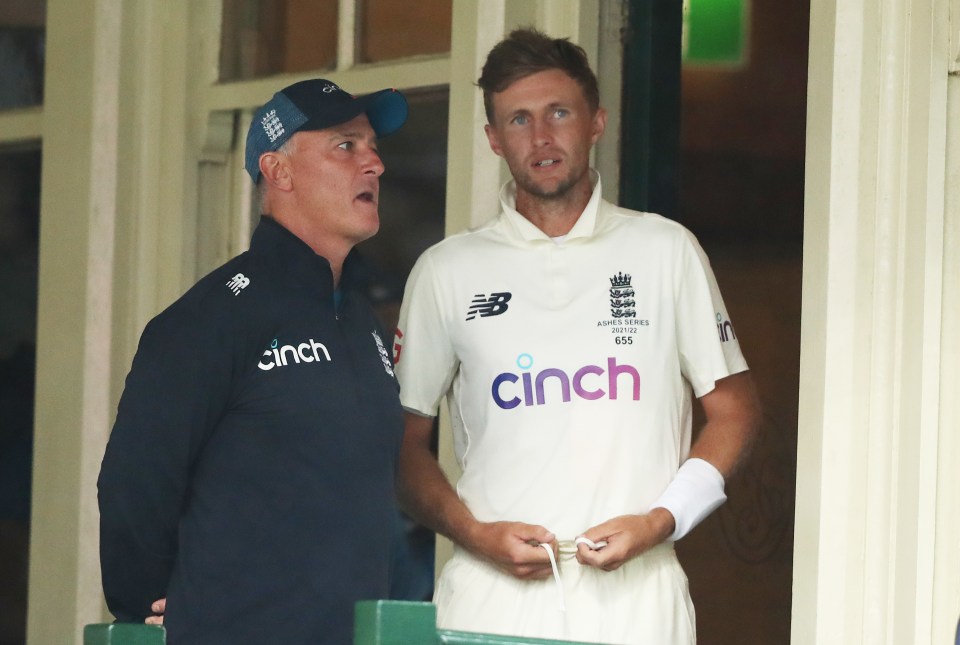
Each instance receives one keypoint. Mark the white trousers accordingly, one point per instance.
(646, 601)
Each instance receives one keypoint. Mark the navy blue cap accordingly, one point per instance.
(315, 105)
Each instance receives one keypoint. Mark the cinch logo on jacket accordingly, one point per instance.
(588, 382)
(283, 356)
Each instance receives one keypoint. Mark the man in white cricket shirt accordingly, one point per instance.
(570, 338)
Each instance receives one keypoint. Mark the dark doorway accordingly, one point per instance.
(719, 146)
(19, 235)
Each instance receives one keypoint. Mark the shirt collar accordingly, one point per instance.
(584, 227)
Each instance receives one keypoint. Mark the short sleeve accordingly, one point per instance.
(708, 345)
(424, 353)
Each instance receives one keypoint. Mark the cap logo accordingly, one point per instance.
(272, 125)
(330, 87)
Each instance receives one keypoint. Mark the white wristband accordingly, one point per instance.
(695, 492)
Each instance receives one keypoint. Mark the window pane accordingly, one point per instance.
(412, 199)
(21, 52)
(265, 37)
(19, 235)
(389, 29)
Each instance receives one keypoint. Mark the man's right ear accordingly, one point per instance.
(273, 167)
(493, 139)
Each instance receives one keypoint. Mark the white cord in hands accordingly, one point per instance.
(594, 546)
(695, 492)
(569, 550)
(556, 573)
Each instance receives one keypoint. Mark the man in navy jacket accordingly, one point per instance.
(250, 473)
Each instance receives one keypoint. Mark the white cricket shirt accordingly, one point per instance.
(568, 366)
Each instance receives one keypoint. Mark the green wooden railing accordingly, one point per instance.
(376, 622)
(124, 634)
(392, 622)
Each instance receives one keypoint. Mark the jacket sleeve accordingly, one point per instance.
(175, 393)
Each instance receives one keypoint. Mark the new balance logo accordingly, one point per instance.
(495, 305)
(237, 283)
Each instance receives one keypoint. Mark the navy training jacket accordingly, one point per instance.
(249, 477)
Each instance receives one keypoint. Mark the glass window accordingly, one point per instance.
(22, 35)
(389, 29)
(412, 200)
(265, 37)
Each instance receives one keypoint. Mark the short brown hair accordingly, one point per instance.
(528, 51)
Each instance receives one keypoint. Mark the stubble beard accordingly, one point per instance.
(559, 192)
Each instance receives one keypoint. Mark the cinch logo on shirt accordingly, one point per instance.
(495, 305)
(588, 382)
(283, 356)
(725, 329)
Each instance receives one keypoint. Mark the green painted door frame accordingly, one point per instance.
(650, 126)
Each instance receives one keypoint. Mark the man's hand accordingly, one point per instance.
(158, 607)
(627, 536)
(514, 548)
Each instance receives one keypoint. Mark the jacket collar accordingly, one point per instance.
(296, 263)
